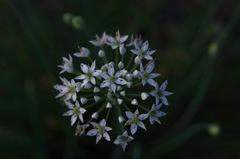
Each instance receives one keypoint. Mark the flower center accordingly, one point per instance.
(76, 111)
(159, 93)
(142, 53)
(124, 138)
(135, 119)
(116, 42)
(112, 79)
(101, 130)
(72, 89)
(145, 75)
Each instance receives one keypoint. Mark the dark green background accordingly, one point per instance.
(34, 39)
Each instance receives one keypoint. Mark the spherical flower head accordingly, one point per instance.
(103, 84)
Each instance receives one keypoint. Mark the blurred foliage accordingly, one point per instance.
(198, 50)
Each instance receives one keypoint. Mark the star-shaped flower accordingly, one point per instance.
(135, 120)
(146, 74)
(154, 114)
(75, 111)
(68, 90)
(80, 129)
(123, 140)
(90, 74)
(83, 52)
(117, 41)
(160, 94)
(67, 65)
(99, 41)
(112, 78)
(100, 130)
(143, 51)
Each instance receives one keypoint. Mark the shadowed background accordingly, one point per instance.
(198, 47)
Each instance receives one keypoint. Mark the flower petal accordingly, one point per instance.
(133, 128)
(129, 114)
(106, 136)
(73, 119)
(121, 81)
(68, 113)
(84, 68)
(141, 125)
(92, 132)
(99, 136)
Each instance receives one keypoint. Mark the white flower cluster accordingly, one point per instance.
(101, 86)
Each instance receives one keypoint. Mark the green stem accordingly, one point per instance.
(116, 62)
(120, 114)
(129, 62)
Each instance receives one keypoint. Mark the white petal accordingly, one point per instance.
(93, 66)
(93, 81)
(117, 141)
(99, 136)
(129, 114)
(134, 102)
(153, 75)
(136, 52)
(151, 120)
(105, 83)
(141, 125)
(151, 82)
(133, 128)
(153, 93)
(82, 110)
(164, 100)
(95, 125)
(145, 46)
(160, 114)
(92, 132)
(80, 77)
(69, 105)
(106, 136)
(143, 116)
(107, 128)
(113, 87)
(80, 117)
(166, 93)
(84, 68)
(102, 122)
(124, 38)
(121, 81)
(73, 119)
(68, 113)
(164, 85)
(111, 69)
(148, 57)
(129, 84)
(74, 96)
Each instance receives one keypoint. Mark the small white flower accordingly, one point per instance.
(146, 74)
(99, 41)
(90, 74)
(80, 129)
(68, 90)
(83, 52)
(123, 140)
(112, 78)
(101, 53)
(154, 113)
(135, 120)
(160, 94)
(75, 111)
(67, 65)
(143, 51)
(100, 130)
(117, 41)
(122, 50)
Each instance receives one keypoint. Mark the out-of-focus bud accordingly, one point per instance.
(67, 18)
(214, 130)
(77, 22)
(212, 49)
